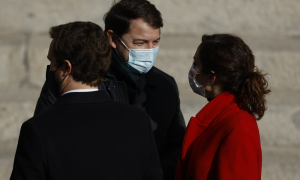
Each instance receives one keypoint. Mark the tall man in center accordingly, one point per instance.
(133, 28)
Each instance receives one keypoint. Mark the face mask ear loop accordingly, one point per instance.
(117, 53)
(194, 72)
(63, 78)
(124, 44)
(57, 68)
(59, 85)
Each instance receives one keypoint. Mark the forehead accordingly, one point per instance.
(51, 55)
(139, 29)
(50, 51)
(197, 54)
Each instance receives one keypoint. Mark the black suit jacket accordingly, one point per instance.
(87, 135)
(162, 106)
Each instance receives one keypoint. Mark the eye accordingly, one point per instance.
(155, 42)
(139, 43)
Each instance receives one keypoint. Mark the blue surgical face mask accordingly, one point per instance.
(141, 60)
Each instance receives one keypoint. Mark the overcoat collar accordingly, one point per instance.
(197, 125)
(83, 97)
(123, 73)
(151, 77)
(209, 112)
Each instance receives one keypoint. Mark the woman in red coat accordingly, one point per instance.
(222, 141)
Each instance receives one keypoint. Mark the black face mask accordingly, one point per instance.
(52, 84)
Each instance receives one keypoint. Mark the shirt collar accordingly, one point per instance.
(80, 90)
(83, 97)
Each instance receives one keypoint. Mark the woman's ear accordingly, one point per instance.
(112, 38)
(212, 77)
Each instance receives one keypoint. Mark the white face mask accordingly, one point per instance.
(141, 60)
(196, 87)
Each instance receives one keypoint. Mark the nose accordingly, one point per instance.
(149, 45)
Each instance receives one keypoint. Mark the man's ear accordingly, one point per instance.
(112, 38)
(67, 67)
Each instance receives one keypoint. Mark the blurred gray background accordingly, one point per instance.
(270, 27)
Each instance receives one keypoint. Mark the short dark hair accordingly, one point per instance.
(233, 64)
(119, 16)
(87, 48)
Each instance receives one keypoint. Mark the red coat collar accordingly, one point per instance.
(204, 118)
(209, 112)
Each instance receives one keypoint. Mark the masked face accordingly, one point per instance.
(140, 60)
(51, 70)
(138, 47)
(196, 87)
(51, 79)
(52, 83)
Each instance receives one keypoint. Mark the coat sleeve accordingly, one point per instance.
(45, 101)
(174, 140)
(30, 158)
(153, 171)
(239, 157)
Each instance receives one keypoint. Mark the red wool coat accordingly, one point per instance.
(221, 143)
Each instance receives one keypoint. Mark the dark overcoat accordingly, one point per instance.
(161, 103)
(87, 135)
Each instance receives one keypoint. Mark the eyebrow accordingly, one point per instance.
(143, 40)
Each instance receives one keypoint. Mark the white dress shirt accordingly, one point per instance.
(80, 90)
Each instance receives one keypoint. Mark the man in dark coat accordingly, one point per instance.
(133, 28)
(85, 134)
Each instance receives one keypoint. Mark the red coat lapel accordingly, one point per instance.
(197, 125)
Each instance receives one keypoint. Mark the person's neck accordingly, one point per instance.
(212, 95)
(213, 91)
(72, 85)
